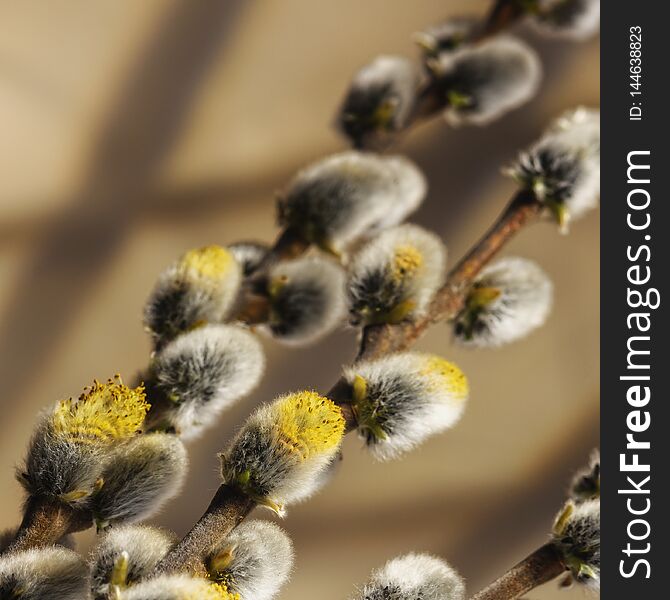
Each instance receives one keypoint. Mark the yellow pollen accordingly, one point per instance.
(209, 262)
(407, 260)
(219, 591)
(103, 413)
(445, 375)
(308, 424)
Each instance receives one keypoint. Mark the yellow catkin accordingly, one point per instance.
(210, 262)
(445, 375)
(218, 591)
(308, 423)
(103, 413)
(407, 260)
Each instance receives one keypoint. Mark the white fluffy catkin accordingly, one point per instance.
(446, 36)
(411, 577)
(43, 573)
(200, 287)
(176, 587)
(563, 167)
(585, 484)
(249, 255)
(576, 534)
(201, 373)
(306, 299)
(283, 449)
(254, 561)
(395, 276)
(509, 298)
(379, 100)
(141, 546)
(346, 196)
(484, 82)
(141, 476)
(401, 399)
(575, 19)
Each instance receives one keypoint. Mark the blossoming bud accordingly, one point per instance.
(200, 287)
(254, 561)
(576, 19)
(177, 587)
(343, 197)
(586, 482)
(445, 37)
(124, 555)
(73, 442)
(306, 298)
(37, 574)
(563, 167)
(249, 255)
(485, 81)
(201, 373)
(395, 276)
(414, 576)
(576, 535)
(283, 448)
(379, 101)
(140, 477)
(509, 299)
(401, 399)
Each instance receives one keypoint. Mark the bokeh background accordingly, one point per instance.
(131, 131)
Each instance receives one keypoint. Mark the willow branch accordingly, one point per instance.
(46, 521)
(541, 566)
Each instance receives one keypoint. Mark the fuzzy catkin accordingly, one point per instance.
(177, 587)
(395, 276)
(43, 573)
(341, 198)
(200, 287)
(401, 399)
(483, 82)
(283, 448)
(509, 299)
(254, 561)
(306, 298)
(379, 100)
(141, 476)
(201, 373)
(144, 547)
(412, 577)
(575, 19)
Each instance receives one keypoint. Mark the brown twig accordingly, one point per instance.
(45, 521)
(541, 566)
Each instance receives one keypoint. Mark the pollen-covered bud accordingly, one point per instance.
(414, 576)
(379, 101)
(200, 287)
(395, 276)
(140, 477)
(483, 82)
(576, 19)
(446, 36)
(562, 169)
(249, 255)
(283, 448)
(73, 442)
(37, 574)
(254, 561)
(576, 535)
(346, 196)
(124, 555)
(306, 299)
(177, 587)
(402, 399)
(586, 482)
(201, 373)
(509, 299)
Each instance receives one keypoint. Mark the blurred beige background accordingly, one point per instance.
(134, 130)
